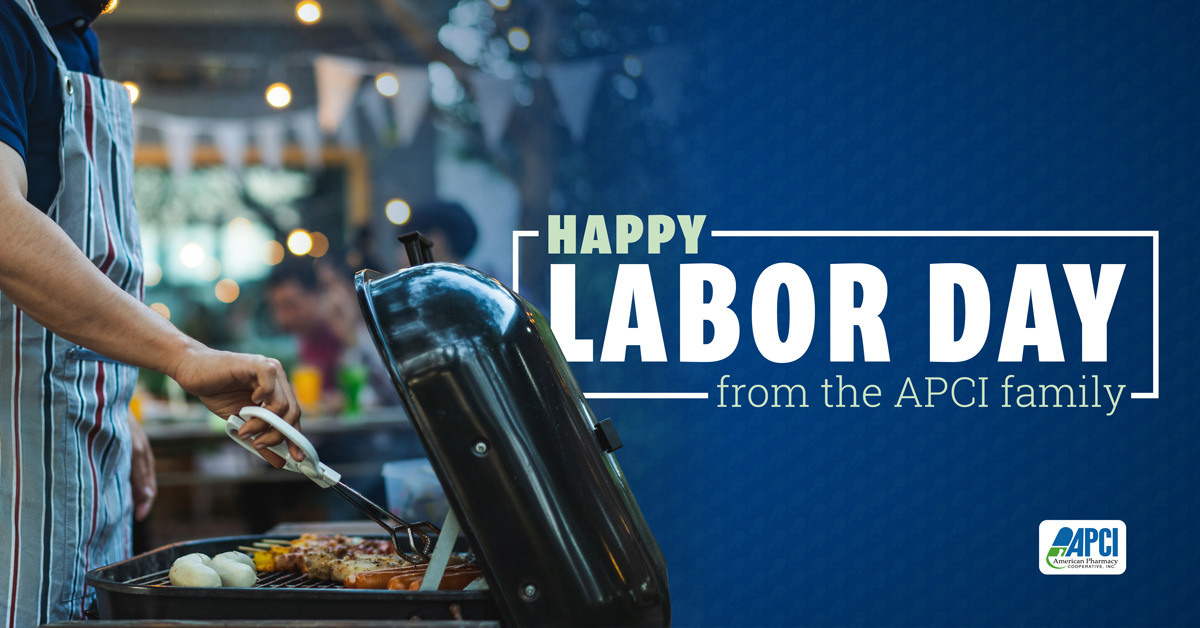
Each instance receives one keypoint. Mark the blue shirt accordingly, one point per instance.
(30, 97)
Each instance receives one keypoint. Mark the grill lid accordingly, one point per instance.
(524, 462)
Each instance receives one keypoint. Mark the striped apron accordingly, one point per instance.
(65, 502)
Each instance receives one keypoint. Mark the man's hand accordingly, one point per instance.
(141, 472)
(227, 382)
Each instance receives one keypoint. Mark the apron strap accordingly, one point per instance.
(63, 73)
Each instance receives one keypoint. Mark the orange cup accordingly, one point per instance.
(306, 381)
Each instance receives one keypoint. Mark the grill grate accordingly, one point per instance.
(139, 588)
(271, 580)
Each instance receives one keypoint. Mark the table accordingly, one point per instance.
(196, 452)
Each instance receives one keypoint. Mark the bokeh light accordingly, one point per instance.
(518, 38)
(501, 4)
(308, 12)
(134, 91)
(192, 255)
(227, 290)
(299, 242)
(398, 211)
(320, 244)
(273, 253)
(625, 86)
(153, 274)
(279, 95)
(633, 66)
(387, 84)
(445, 90)
(161, 309)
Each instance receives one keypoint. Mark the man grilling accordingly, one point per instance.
(72, 325)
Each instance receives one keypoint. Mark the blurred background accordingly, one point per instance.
(283, 146)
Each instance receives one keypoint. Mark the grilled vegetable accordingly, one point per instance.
(233, 573)
(192, 572)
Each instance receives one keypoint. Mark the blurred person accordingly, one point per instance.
(73, 328)
(295, 299)
(447, 225)
(341, 304)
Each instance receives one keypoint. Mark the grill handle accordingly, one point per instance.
(418, 248)
(311, 467)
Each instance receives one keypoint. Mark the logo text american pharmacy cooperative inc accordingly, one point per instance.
(1082, 547)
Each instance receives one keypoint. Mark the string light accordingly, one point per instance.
(192, 255)
(279, 95)
(320, 244)
(134, 92)
(227, 290)
(308, 12)
(518, 38)
(398, 211)
(273, 253)
(161, 309)
(633, 66)
(153, 274)
(299, 242)
(387, 84)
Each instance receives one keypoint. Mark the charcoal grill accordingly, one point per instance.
(528, 469)
(138, 588)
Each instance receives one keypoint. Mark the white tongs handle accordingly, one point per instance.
(310, 467)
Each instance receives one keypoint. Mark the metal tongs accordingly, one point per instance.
(312, 468)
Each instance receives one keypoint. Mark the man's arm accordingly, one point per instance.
(45, 274)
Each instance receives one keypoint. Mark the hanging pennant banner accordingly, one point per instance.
(308, 134)
(574, 86)
(664, 70)
(410, 103)
(347, 134)
(179, 138)
(268, 136)
(231, 137)
(493, 97)
(231, 140)
(374, 110)
(337, 83)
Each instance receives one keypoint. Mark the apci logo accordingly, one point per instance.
(1077, 547)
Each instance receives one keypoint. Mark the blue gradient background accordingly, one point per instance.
(924, 115)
